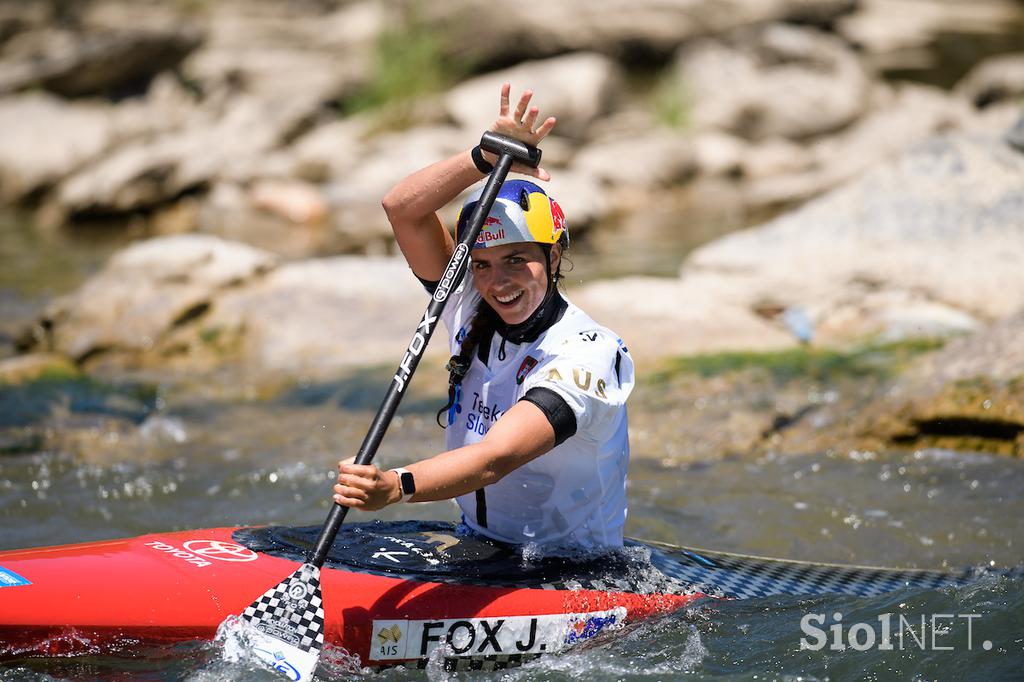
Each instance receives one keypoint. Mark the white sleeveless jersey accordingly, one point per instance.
(575, 493)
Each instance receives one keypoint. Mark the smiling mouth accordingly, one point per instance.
(510, 299)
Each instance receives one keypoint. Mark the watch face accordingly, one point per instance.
(408, 483)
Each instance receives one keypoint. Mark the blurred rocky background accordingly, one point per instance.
(806, 217)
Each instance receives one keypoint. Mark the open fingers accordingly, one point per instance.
(545, 128)
(506, 88)
(524, 102)
(531, 118)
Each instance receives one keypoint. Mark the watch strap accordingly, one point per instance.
(406, 483)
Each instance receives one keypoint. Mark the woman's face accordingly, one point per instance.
(512, 278)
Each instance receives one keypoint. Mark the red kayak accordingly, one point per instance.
(394, 592)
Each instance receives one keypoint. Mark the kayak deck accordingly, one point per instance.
(442, 552)
(394, 593)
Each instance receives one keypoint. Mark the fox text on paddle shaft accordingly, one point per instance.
(888, 632)
(416, 346)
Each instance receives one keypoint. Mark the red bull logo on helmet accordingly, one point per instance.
(486, 236)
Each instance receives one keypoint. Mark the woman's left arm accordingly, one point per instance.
(520, 435)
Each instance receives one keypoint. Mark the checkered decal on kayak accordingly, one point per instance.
(734, 577)
(292, 611)
(469, 663)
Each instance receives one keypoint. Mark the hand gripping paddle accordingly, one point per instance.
(289, 617)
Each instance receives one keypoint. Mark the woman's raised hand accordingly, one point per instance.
(519, 124)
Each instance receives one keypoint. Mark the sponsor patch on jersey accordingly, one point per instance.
(528, 364)
(9, 578)
(398, 640)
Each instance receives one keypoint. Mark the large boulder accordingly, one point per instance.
(967, 396)
(487, 33)
(928, 244)
(996, 79)
(320, 315)
(355, 197)
(151, 171)
(330, 150)
(899, 119)
(930, 241)
(576, 88)
(145, 292)
(783, 81)
(269, 50)
(45, 139)
(660, 317)
(657, 159)
(94, 62)
(901, 34)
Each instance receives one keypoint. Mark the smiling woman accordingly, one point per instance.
(536, 423)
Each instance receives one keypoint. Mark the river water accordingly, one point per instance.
(121, 458)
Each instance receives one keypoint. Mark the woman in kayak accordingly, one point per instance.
(536, 422)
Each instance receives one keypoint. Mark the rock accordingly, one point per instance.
(484, 33)
(582, 198)
(145, 291)
(900, 119)
(774, 157)
(331, 150)
(94, 62)
(576, 88)
(657, 159)
(663, 317)
(168, 105)
(939, 226)
(784, 81)
(148, 173)
(45, 139)
(293, 200)
(271, 51)
(1015, 136)
(994, 80)
(355, 197)
(968, 396)
(900, 34)
(22, 368)
(320, 315)
(719, 153)
(993, 352)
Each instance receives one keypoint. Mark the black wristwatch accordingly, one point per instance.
(406, 482)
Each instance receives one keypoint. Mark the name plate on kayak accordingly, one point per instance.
(398, 640)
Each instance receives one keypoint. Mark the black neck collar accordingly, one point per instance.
(529, 330)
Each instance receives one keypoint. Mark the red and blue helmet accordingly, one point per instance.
(522, 212)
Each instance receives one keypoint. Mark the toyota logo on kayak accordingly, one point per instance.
(222, 551)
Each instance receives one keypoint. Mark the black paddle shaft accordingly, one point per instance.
(509, 151)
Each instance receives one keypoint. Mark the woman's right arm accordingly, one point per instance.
(412, 204)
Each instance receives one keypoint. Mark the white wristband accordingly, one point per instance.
(406, 484)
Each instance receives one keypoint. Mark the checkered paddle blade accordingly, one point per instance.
(290, 621)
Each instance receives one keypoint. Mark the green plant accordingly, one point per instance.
(670, 102)
(409, 63)
(874, 359)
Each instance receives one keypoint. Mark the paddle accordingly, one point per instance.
(289, 617)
